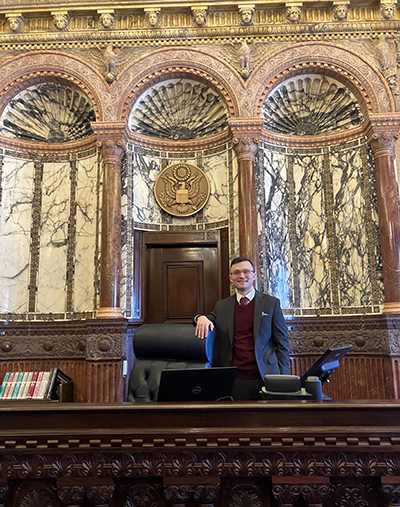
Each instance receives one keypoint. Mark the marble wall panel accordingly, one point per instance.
(274, 231)
(126, 237)
(50, 236)
(350, 229)
(15, 224)
(87, 234)
(321, 229)
(215, 168)
(51, 282)
(311, 233)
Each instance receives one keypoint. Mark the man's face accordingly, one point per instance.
(341, 12)
(242, 276)
(13, 24)
(388, 11)
(153, 18)
(246, 16)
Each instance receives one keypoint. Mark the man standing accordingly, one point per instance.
(251, 332)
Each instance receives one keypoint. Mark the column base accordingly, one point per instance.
(109, 312)
(391, 307)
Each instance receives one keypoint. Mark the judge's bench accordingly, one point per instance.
(256, 454)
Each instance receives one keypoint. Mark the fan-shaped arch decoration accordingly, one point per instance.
(48, 113)
(179, 110)
(311, 105)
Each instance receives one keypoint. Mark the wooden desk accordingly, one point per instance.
(242, 453)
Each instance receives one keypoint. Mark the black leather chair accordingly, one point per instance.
(161, 346)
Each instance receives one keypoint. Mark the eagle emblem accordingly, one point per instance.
(182, 189)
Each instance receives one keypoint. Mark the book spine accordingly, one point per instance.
(10, 386)
(53, 374)
(4, 384)
(43, 385)
(18, 385)
(37, 386)
(31, 389)
(25, 387)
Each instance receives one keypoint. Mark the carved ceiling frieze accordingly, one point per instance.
(130, 21)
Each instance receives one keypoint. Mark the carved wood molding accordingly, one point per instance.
(164, 463)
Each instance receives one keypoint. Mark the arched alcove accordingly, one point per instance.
(51, 183)
(320, 251)
(180, 120)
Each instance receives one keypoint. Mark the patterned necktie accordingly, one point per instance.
(244, 301)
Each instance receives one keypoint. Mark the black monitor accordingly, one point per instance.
(326, 365)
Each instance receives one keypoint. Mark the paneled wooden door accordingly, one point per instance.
(183, 276)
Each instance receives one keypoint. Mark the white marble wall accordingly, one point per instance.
(51, 279)
(15, 226)
(88, 222)
(42, 260)
(320, 253)
(273, 217)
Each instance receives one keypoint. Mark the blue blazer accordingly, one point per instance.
(270, 333)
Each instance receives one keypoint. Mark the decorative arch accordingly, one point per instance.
(173, 63)
(347, 67)
(36, 67)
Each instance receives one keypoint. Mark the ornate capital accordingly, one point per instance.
(246, 147)
(382, 132)
(246, 137)
(111, 139)
(382, 144)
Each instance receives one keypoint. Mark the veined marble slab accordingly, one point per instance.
(15, 226)
(86, 225)
(276, 227)
(51, 281)
(321, 250)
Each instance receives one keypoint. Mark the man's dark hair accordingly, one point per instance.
(241, 259)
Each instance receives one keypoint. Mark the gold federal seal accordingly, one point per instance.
(182, 189)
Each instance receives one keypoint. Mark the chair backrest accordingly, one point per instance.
(165, 346)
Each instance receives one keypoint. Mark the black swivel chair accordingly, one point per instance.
(165, 346)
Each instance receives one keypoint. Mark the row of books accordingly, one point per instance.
(32, 385)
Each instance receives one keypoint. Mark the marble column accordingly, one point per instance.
(111, 140)
(382, 134)
(246, 137)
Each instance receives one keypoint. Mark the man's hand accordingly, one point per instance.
(203, 326)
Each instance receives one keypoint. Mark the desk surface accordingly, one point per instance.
(257, 419)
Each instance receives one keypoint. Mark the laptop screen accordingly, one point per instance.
(196, 384)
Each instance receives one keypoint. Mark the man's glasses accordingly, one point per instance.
(246, 272)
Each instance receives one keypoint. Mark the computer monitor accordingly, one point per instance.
(326, 365)
(196, 384)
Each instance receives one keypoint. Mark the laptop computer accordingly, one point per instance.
(196, 384)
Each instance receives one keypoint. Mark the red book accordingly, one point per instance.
(10, 379)
(31, 389)
(37, 386)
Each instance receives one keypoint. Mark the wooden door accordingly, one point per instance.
(183, 275)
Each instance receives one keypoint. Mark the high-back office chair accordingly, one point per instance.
(161, 346)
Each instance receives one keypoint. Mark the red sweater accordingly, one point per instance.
(243, 342)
